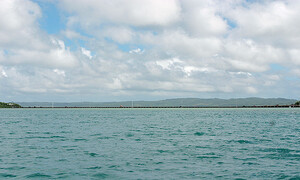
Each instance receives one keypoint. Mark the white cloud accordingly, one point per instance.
(56, 56)
(136, 51)
(151, 48)
(132, 12)
(59, 72)
(272, 22)
(118, 34)
(86, 53)
(201, 18)
(168, 64)
(19, 27)
(3, 73)
(23, 43)
(251, 90)
(179, 43)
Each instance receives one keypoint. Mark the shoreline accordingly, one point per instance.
(164, 107)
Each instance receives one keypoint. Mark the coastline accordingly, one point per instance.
(165, 107)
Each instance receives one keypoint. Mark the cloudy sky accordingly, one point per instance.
(114, 50)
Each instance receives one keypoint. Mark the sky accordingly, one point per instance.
(117, 50)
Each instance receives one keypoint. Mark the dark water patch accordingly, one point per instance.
(201, 147)
(41, 157)
(31, 132)
(165, 151)
(280, 153)
(32, 147)
(100, 176)
(70, 149)
(199, 133)
(91, 154)
(250, 163)
(14, 168)
(159, 162)
(113, 166)
(61, 176)
(37, 137)
(244, 142)
(295, 178)
(80, 139)
(249, 159)
(60, 137)
(68, 146)
(282, 176)
(148, 134)
(174, 134)
(282, 156)
(66, 132)
(241, 141)
(278, 150)
(129, 135)
(207, 157)
(285, 138)
(104, 137)
(94, 167)
(81, 174)
(210, 153)
(38, 175)
(136, 130)
(264, 140)
(62, 160)
(5, 175)
(13, 122)
(98, 134)
(138, 139)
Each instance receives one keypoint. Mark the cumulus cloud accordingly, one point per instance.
(132, 12)
(136, 51)
(56, 56)
(3, 73)
(19, 27)
(152, 48)
(86, 53)
(272, 22)
(201, 18)
(118, 34)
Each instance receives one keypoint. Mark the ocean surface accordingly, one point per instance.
(150, 143)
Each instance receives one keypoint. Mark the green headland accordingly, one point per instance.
(9, 105)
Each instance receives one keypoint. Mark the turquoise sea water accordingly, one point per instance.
(150, 143)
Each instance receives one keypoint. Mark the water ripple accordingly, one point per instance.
(150, 144)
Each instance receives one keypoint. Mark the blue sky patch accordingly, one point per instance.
(51, 20)
(277, 67)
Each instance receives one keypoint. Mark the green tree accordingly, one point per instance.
(297, 103)
(9, 105)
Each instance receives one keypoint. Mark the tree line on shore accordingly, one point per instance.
(9, 105)
(15, 105)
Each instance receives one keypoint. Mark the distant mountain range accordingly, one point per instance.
(170, 102)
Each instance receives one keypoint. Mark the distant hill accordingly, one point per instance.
(171, 102)
(9, 105)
